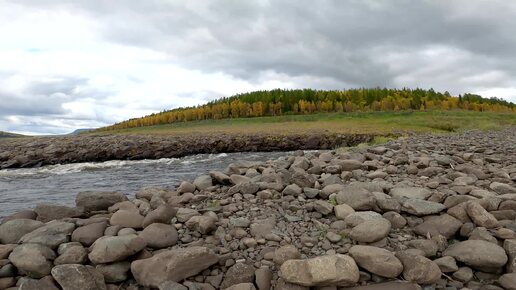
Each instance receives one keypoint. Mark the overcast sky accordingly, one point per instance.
(88, 63)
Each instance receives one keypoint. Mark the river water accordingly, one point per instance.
(59, 184)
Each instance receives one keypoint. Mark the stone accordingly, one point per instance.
(480, 216)
(34, 260)
(203, 224)
(323, 207)
(356, 218)
(356, 197)
(203, 181)
(342, 211)
(508, 281)
(410, 192)
(185, 187)
(11, 231)
(349, 165)
(292, 189)
(5, 250)
(421, 207)
(115, 272)
(186, 262)
(444, 225)
(159, 236)
(162, 214)
(113, 249)
(127, 219)
(284, 285)
(97, 201)
(464, 274)
(333, 237)
(184, 214)
(371, 231)
(220, 177)
(47, 212)
(397, 220)
(242, 286)
(171, 285)
(240, 222)
(377, 261)
(88, 234)
(45, 283)
(419, 269)
(447, 264)
(478, 254)
(284, 253)
(51, 234)
(392, 285)
(429, 247)
(263, 277)
(330, 270)
(7, 282)
(73, 255)
(78, 277)
(237, 274)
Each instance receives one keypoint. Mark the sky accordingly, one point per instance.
(73, 64)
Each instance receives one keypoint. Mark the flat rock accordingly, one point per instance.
(114, 249)
(371, 231)
(47, 212)
(377, 261)
(186, 262)
(421, 207)
(444, 225)
(98, 200)
(78, 277)
(51, 235)
(410, 192)
(478, 254)
(34, 260)
(11, 231)
(242, 286)
(357, 198)
(330, 270)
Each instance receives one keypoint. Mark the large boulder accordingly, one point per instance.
(185, 263)
(48, 212)
(377, 261)
(357, 198)
(113, 249)
(97, 200)
(88, 234)
(444, 225)
(13, 230)
(371, 231)
(330, 270)
(479, 254)
(127, 219)
(34, 260)
(51, 235)
(78, 277)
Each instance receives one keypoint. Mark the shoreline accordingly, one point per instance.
(40, 151)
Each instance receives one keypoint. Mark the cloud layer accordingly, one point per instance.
(71, 64)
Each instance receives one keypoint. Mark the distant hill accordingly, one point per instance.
(308, 101)
(79, 131)
(9, 135)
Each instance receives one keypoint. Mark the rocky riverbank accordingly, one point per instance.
(429, 211)
(38, 151)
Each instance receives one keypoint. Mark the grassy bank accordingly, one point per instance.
(372, 122)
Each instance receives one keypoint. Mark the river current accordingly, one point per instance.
(59, 184)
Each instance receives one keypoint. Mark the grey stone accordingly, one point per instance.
(34, 260)
(11, 231)
(78, 277)
(377, 261)
(114, 249)
(95, 201)
(51, 234)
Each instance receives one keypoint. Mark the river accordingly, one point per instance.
(24, 188)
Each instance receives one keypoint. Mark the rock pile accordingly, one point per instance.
(431, 211)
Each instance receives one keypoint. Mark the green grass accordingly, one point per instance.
(381, 123)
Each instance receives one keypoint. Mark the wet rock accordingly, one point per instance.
(113, 249)
(159, 236)
(331, 270)
(34, 260)
(96, 201)
(11, 231)
(187, 262)
(377, 261)
(78, 277)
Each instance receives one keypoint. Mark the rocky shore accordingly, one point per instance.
(426, 212)
(38, 151)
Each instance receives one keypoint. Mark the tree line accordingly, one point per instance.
(308, 101)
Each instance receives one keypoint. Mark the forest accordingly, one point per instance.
(308, 101)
